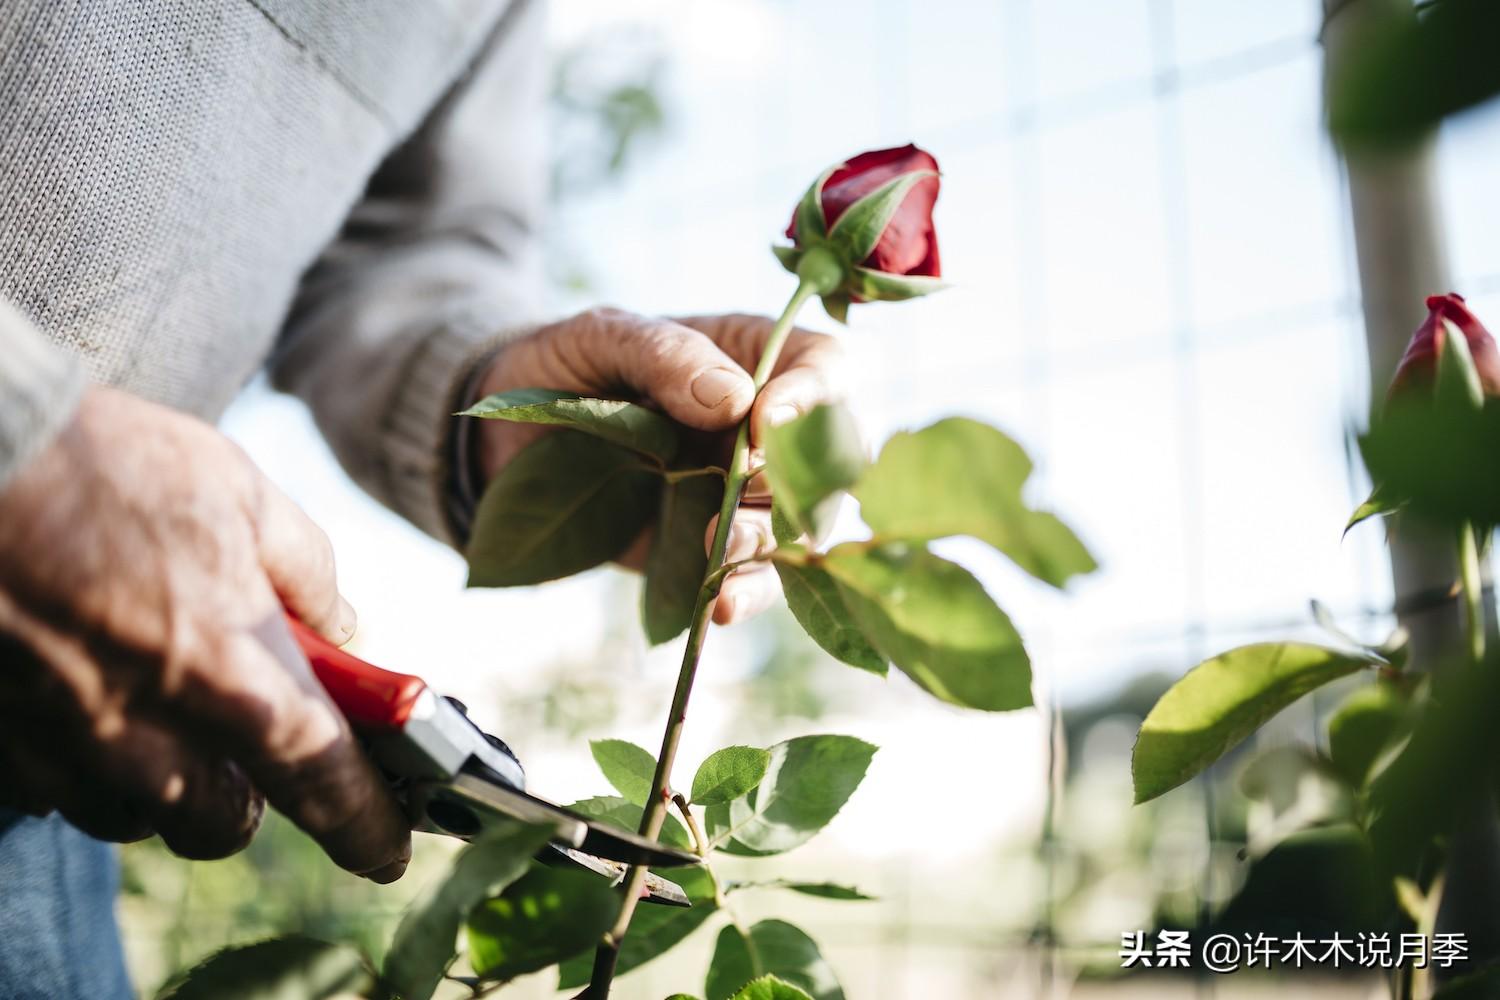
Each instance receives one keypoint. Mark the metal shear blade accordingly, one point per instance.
(464, 806)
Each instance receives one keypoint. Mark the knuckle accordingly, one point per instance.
(603, 316)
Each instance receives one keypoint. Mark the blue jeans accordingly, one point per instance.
(58, 939)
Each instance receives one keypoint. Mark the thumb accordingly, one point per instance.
(679, 368)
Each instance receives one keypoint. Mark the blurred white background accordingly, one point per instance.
(1153, 291)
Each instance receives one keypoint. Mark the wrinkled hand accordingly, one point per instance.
(148, 682)
(696, 370)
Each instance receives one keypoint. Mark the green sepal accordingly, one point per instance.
(837, 307)
(1458, 381)
(856, 233)
(789, 256)
(1380, 502)
(878, 286)
(812, 225)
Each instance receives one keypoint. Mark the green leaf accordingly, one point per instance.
(935, 622)
(823, 890)
(1379, 502)
(565, 504)
(981, 472)
(879, 286)
(425, 939)
(283, 968)
(678, 560)
(1405, 73)
(811, 225)
(836, 305)
(789, 257)
(613, 420)
(807, 782)
(728, 774)
(1366, 722)
(1290, 789)
(549, 915)
(782, 528)
(627, 767)
(1437, 459)
(856, 232)
(770, 988)
(777, 948)
(816, 602)
(626, 815)
(809, 461)
(654, 930)
(1424, 788)
(1221, 701)
(1457, 382)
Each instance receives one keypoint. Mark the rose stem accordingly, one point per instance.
(608, 952)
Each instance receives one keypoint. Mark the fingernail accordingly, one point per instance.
(781, 414)
(714, 386)
(348, 620)
(386, 874)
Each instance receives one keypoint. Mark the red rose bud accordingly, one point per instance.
(864, 230)
(1418, 368)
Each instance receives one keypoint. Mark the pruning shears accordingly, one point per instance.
(456, 779)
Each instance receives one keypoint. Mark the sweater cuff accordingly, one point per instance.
(40, 386)
(427, 481)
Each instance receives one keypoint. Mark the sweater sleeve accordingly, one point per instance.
(40, 385)
(435, 267)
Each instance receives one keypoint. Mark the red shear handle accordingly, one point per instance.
(371, 698)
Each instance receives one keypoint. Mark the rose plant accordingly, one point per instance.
(1407, 755)
(609, 470)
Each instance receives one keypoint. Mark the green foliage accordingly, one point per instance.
(728, 774)
(627, 424)
(548, 915)
(565, 504)
(626, 815)
(1377, 504)
(814, 599)
(809, 461)
(882, 286)
(285, 968)
(678, 560)
(770, 988)
(774, 947)
(1407, 73)
(1366, 722)
(934, 621)
(807, 782)
(582, 494)
(1436, 459)
(424, 941)
(1223, 700)
(654, 931)
(627, 767)
(811, 225)
(1419, 795)
(962, 477)
(823, 890)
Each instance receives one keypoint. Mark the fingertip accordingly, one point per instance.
(345, 621)
(386, 874)
(725, 395)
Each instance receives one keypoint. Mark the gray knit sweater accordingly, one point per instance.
(191, 190)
